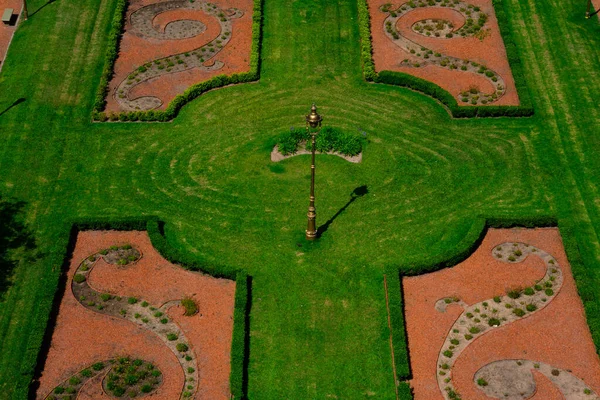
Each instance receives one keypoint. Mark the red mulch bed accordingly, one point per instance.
(82, 337)
(7, 31)
(557, 335)
(135, 51)
(490, 51)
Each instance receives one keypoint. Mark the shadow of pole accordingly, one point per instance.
(356, 194)
(40, 9)
(15, 103)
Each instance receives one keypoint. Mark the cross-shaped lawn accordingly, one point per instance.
(318, 322)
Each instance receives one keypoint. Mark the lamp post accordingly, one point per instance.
(25, 13)
(587, 13)
(313, 122)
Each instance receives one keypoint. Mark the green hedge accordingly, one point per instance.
(41, 330)
(462, 251)
(241, 336)
(190, 93)
(525, 109)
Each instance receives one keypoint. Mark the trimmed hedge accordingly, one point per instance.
(466, 247)
(435, 91)
(240, 343)
(190, 93)
(42, 328)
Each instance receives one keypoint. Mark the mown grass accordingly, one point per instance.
(318, 322)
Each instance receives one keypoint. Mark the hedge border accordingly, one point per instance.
(525, 109)
(41, 334)
(114, 38)
(466, 247)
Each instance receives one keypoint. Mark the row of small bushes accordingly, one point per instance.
(435, 91)
(465, 248)
(328, 139)
(47, 306)
(190, 93)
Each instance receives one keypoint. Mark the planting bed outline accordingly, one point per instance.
(197, 359)
(198, 50)
(500, 364)
(471, 64)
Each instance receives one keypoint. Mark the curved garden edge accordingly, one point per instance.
(276, 156)
(41, 330)
(471, 241)
(431, 89)
(219, 81)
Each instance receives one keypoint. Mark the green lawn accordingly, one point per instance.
(318, 321)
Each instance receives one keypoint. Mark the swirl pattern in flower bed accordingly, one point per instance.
(452, 43)
(195, 40)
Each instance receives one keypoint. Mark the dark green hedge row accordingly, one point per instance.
(464, 249)
(112, 52)
(41, 330)
(190, 93)
(587, 287)
(241, 336)
(399, 338)
(435, 91)
(46, 305)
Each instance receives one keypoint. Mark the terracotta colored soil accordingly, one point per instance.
(82, 337)
(7, 31)
(595, 6)
(490, 51)
(136, 51)
(556, 335)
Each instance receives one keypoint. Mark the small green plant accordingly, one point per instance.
(190, 306)
(514, 294)
(555, 372)
(78, 278)
(144, 304)
(454, 341)
(474, 330)
(181, 347)
(172, 336)
(531, 307)
(482, 382)
(105, 297)
(448, 353)
(98, 366)
(549, 292)
(494, 322)
(497, 299)
(529, 291)
(519, 312)
(132, 300)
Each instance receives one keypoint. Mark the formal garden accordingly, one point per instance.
(154, 184)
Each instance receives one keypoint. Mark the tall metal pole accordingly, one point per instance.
(25, 14)
(313, 120)
(587, 13)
